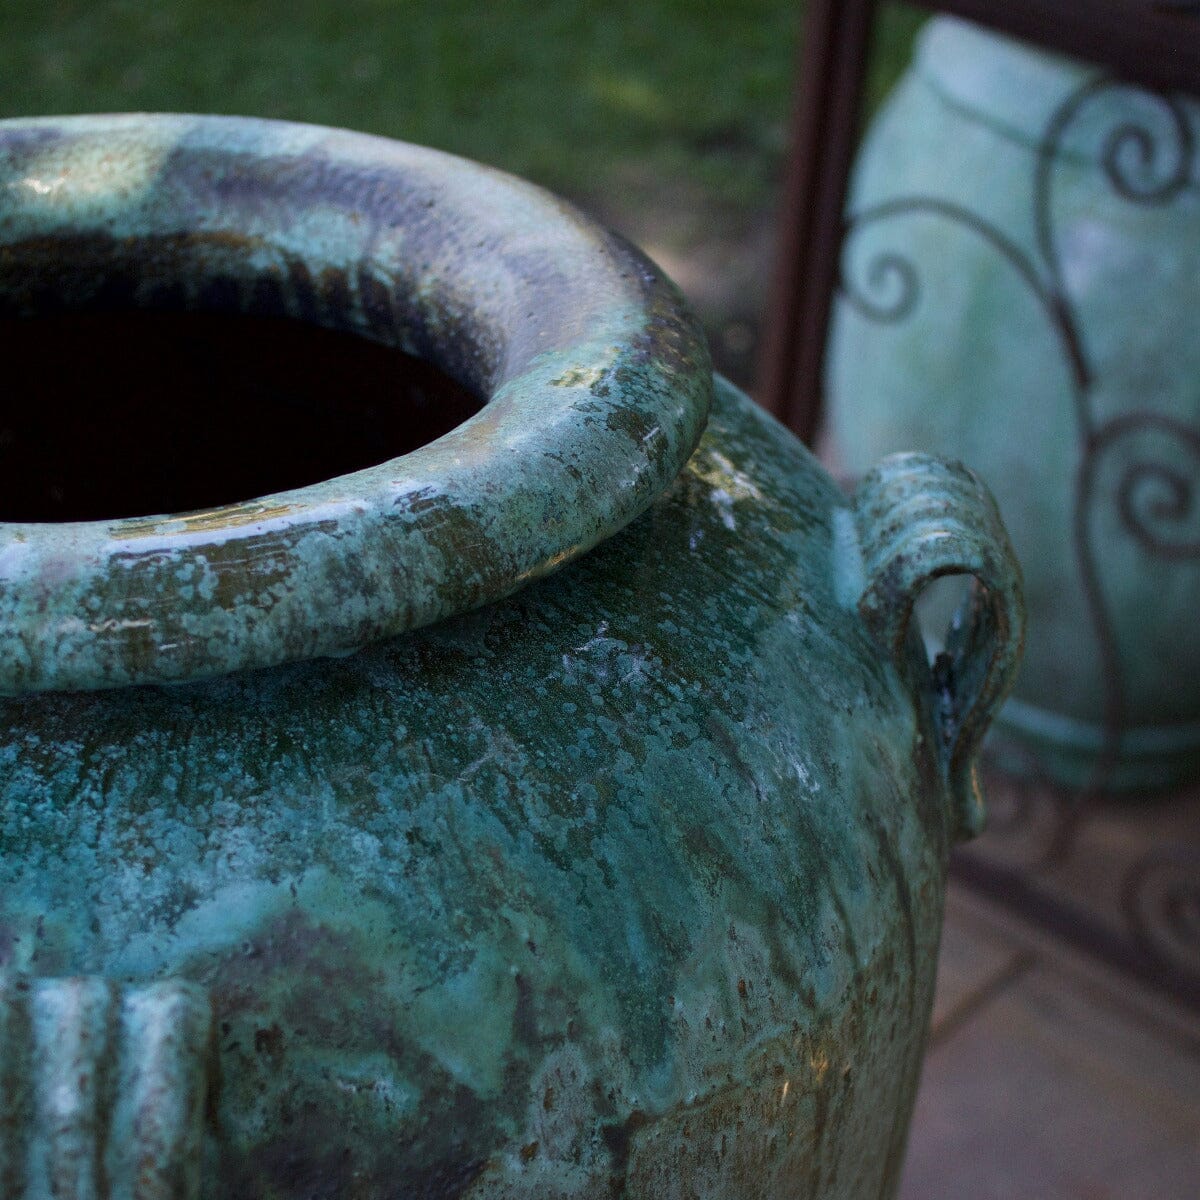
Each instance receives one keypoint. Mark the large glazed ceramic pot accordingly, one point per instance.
(347, 851)
(1020, 274)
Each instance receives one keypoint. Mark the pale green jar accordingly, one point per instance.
(349, 853)
(1020, 280)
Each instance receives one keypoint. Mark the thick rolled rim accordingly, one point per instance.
(596, 379)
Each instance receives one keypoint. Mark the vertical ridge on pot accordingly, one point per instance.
(105, 1089)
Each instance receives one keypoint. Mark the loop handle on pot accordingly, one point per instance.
(102, 1087)
(919, 518)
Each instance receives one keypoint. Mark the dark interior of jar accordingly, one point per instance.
(110, 414)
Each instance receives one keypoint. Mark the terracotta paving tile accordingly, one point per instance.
(1048, 1079)
(975, 961)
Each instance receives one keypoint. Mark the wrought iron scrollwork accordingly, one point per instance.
(1156, 500)
(895, 279)
(1145, 149)
(1161, 897)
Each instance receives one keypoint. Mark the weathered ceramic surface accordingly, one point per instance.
(1019, 294)
(597, 385)
(627, 884)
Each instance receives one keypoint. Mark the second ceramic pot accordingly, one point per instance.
(1020, 280)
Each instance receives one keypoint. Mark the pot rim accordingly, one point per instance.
(595, 376)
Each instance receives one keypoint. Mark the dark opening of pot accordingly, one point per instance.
(126, 414)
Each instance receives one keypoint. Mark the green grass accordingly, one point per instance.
(581, 96)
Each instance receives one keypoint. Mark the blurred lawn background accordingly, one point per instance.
(665, 118)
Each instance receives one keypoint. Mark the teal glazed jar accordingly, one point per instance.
(1019, 278)
(560, 809)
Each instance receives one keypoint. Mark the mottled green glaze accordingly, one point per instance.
(597, 386)
(628, 884)
(1002, 195)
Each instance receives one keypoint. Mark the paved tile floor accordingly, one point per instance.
(1055, 1071)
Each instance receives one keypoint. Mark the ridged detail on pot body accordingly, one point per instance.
(102, 1089)
(920, 519)
(1018, 278)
